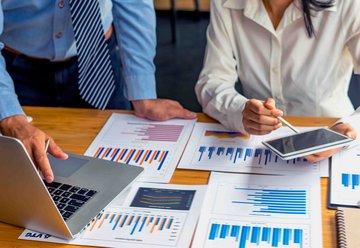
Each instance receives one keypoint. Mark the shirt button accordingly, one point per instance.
(61, 4)
(58, 35)
(275, 69)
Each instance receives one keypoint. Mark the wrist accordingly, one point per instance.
(9, 125)
(141, 106)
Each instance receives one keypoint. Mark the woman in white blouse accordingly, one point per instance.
(292, 57)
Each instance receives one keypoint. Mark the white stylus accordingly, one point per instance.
(288, 124)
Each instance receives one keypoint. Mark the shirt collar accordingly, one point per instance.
(243, 4)
(255, 10)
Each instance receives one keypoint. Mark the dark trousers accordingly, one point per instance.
(40, 82)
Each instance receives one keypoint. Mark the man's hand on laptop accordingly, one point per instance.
(34, 141)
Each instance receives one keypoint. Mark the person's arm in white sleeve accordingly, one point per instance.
(348, 125)
(215, 88)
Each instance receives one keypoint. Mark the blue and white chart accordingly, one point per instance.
(248, 211)
(156, 146)
(345, 177)
(151, 216)
(212, 147)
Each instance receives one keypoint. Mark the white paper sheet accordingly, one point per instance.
(213, 147)
(150, 215)
(156, 146)
(244, 211)
(345, 178)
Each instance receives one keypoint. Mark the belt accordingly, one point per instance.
(13, 51)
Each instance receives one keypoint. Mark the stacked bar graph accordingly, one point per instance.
(245, 235)
(272, 201)
(155, 132)
(133, 156)
(238, 155)
(143, 227)
(350, 180)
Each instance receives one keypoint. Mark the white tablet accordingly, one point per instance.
(302, 144)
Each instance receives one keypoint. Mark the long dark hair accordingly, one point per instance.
(307, 6)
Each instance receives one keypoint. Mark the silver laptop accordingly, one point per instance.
(82, 187)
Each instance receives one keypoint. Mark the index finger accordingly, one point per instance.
(42, 161)
(271, 105)
(257, 107)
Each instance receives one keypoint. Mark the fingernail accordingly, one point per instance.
(49, 179)
(192, 114)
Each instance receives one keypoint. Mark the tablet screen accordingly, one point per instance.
(306, 141)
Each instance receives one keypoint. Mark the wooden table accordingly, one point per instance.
(75, 129)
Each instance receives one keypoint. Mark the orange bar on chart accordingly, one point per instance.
(127, 157)
(153, 156)
(142, 160)
(120, 155)
(162, 156)
(97, 152)
(153, 227)
(106, 150)
(137, 155)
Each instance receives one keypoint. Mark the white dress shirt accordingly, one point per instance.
(305, 76)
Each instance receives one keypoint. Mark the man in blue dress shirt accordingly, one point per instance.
(38, 66)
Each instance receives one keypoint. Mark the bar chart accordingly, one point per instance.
(237, 155)
(133, 225)
(212, 147)
(260, 211)
(155, 146)
(345, 177)
(244, 234)
(153, 132)
(350, 180)
(133, 156)
(260, 200)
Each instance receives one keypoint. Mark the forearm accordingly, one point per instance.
(135, 29)
(221, 101)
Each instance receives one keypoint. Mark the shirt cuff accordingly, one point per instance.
(140, 87)
(235, 116)
(10, 106)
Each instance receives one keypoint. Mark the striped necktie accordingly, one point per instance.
(96, 75)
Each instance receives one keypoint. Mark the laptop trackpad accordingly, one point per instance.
(65, 168)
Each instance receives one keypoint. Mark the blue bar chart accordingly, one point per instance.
(260, 211)
(274, 202)
(259, 200)
(345, 177)
(350, 180)
(243, 235)
(212, 147)
(133, 225)
(238, 155)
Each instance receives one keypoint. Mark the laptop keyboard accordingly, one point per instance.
(68, 198)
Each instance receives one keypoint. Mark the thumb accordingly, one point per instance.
(350, 133)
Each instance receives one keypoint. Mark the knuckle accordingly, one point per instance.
(39, 157)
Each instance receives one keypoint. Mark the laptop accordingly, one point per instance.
(82, 188)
